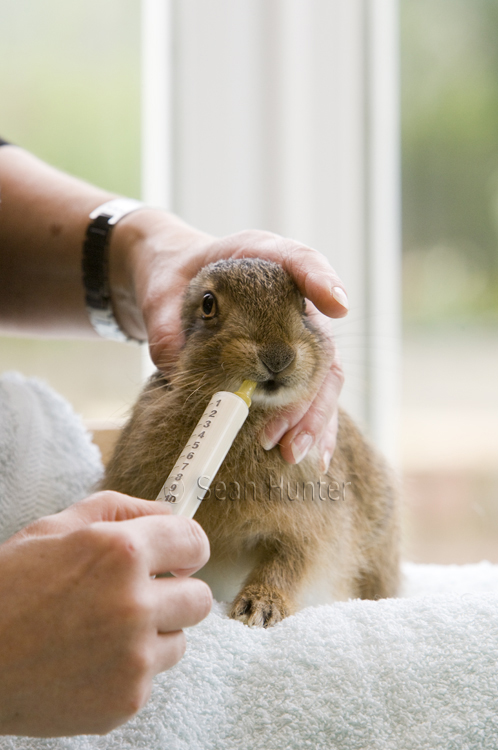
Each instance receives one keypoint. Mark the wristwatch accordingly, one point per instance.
(95, 266)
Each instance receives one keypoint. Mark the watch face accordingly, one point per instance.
(106, 324)
(116, 209)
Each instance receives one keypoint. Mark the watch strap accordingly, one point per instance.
(95, 266)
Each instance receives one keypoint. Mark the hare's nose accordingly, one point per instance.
(276, 356)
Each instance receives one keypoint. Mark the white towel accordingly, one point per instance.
(415, 673)
(47, 459)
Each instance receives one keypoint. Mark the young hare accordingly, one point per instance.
(282, 536)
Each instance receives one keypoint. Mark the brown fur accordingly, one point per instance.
(349, 540)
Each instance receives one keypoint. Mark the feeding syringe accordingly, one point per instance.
(208, 445)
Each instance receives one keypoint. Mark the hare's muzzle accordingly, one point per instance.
(276, 356)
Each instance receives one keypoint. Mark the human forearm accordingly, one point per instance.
(44, 214)
(43, 217)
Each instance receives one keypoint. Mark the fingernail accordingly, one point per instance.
(325, 463)
(301, 445)
(340, 296)
(271, 436)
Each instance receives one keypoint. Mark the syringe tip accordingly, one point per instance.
(246, 390)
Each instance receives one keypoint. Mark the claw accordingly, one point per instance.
(259, 608)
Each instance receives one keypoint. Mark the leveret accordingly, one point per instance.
(282, 536)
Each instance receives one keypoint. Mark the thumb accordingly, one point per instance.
(102, 506)
(114, 506)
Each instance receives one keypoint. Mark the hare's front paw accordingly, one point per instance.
(258, 606)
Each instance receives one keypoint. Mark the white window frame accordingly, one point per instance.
(265, 70)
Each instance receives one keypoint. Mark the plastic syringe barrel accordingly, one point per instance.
(203, 455)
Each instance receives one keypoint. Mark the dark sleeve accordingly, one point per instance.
(3, 143)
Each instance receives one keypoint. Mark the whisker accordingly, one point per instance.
(191, 394)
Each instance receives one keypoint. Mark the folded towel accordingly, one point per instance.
(47, 459)
(415, 673)
(407, 674)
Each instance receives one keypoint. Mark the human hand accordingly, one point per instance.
(84, 628)
(164, 254)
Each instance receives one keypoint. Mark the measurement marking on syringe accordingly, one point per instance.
(204, 427)
(200, 458)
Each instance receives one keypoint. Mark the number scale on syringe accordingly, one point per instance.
(203, 455)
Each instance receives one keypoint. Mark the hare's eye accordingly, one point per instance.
(209, 308)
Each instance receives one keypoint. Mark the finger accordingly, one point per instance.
(106, 506)
(301, 429)
(182, 602)
(328, 443)
(322, 401)
(314, 276)
(168, 544)
(114, 506)
(170, 647)
(166, 336)
(309, 430)
(102, 506)
(162, 309)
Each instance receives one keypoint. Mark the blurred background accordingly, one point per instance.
(449, 69)
(70, 93)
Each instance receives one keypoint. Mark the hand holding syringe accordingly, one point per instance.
(206, 449)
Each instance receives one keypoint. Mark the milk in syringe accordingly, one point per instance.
(208, 445)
